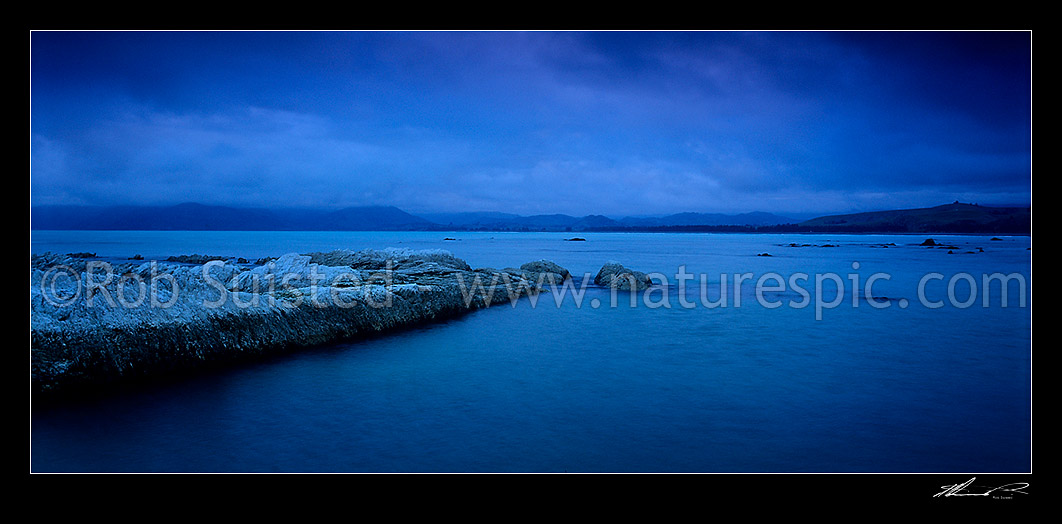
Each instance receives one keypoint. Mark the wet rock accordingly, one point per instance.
(548, 268)
(615, 275)
(49, 260)
(928, 242)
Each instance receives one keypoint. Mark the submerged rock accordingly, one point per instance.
(615, 275)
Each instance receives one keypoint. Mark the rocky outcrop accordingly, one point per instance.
(615, 275)
(93, 323)
(379, 258)
(546, 267)
(195, 259)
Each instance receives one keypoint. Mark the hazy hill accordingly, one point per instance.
(199, 217)
(370, 218)
(469, 219)
(590, 221)
(948, 218)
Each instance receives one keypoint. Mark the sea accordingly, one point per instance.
(754, 353)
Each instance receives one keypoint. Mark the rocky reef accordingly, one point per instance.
(94, 323)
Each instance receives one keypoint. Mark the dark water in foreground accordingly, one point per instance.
(541, 388)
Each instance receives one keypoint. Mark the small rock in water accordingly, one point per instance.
(615, 275)
(547, 266)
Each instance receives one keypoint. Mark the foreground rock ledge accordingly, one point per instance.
(94, 324)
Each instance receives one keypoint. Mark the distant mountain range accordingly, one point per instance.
(956, 217)
(199, 217)
(508, 221)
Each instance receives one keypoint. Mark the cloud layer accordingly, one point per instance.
(540, 122)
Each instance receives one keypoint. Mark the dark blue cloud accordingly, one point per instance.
(533, 122)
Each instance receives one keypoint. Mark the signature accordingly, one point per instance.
(960, 490)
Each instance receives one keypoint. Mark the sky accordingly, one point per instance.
(539, 122)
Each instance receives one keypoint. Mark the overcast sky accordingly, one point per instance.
(612, 123)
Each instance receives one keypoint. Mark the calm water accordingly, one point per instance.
(536, 387)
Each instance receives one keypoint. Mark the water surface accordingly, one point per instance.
(541, 388)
